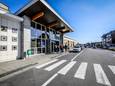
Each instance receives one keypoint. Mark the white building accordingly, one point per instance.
(9, 29)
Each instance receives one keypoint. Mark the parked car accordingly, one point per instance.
(75, 49)
(112, 47)
(105, 47)
(94, 47)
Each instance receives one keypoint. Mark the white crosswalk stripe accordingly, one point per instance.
(112, 68)
(43, 65)
(65, 69)
(55, 65)
(62, 71)
(49, 80)
(81, 72)
(100, 75)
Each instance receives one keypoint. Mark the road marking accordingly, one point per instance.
(62, 55)
(55, 65)
(65, 69)
(81, 72)
(100, 75)
(49, 80)
(43, 65)
(112, 68)
(77, 55)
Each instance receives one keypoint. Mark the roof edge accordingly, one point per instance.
(25, 7)
(46, 4)
(12, 16)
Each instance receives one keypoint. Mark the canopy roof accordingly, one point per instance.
(41, 12)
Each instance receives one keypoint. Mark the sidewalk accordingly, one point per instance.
(13, 66)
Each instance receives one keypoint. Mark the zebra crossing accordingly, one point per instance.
(55, 65)
(100, 75)
(80, 73)
(65, 69)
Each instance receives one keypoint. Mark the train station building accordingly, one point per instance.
(41, 29)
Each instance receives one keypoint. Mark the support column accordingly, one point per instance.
(61, 38)
(27, 33)
(24, 37)
(21, 41)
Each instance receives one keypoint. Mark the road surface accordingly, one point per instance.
(90, 67)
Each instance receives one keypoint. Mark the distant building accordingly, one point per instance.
(69, 41)
(96, 44)
(108, 38)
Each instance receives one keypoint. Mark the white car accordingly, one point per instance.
(75, 49)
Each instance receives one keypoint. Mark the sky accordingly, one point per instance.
(89, 19)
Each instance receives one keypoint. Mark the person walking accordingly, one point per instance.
(65, 47)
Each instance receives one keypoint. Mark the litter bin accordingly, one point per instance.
(29, 52)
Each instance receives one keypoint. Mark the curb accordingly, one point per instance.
(9, 72)
(15, 70)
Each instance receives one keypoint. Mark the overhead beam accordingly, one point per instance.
(52, 24)
(61, 28)
(65, 31)
(38, 15)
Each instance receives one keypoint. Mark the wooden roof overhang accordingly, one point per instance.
(41, 12)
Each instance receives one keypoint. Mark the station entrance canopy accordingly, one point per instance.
(41, 12)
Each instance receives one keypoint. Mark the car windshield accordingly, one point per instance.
(77, 47)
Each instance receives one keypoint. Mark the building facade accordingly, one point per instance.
(3, 8)
(36, 28)
(108, 39)
(43, 28)
(69, 42)
(9, 29)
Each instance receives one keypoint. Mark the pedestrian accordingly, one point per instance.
(65, 47)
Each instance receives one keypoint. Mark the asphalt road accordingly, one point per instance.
(90, 67)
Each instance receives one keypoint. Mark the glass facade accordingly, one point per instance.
(43, 39)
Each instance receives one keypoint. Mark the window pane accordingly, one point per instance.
(38, 42)
(38, 50)
(33, 43)
(14, 47)
(14, 30)
(3, 48)
(3, 38)
(4, 28)
(14, 39)
(33, 24)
